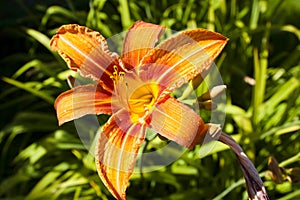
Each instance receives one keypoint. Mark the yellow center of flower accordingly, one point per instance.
(117, 75)
(141, 102)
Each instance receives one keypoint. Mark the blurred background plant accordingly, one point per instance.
(260, 66)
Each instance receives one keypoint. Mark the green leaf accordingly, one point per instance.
(25, 86)
(34, 152)
(33, 63)
(282, 94)
(40, 37)
(240, 117)
(42, 189)
(283, 129)
(57, 10)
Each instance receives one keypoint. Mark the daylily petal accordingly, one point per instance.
(85, 51)
(182, 57)
(116, 152)
(82, 100)
(140, 38)
(178, 122)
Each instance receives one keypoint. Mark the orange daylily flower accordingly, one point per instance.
(134, 89)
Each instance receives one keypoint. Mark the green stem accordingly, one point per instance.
(264, 61)
(256, 95)
(291, 160)
(211, 16)
(233, 9)
(260, 74)
(254, 14)
(125, 14)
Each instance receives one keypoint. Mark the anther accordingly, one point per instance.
(116, 74)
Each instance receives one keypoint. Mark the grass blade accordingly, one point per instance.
(40, 94)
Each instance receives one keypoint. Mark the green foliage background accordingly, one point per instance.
(40, 160)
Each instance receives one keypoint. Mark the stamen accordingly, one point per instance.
(117, 75)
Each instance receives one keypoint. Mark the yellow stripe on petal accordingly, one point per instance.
(178, 122)
(116, 152)
(82, 100)
(140, 38)
(85, 51)
(182, 57)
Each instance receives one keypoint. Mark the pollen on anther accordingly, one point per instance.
(117, 75)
